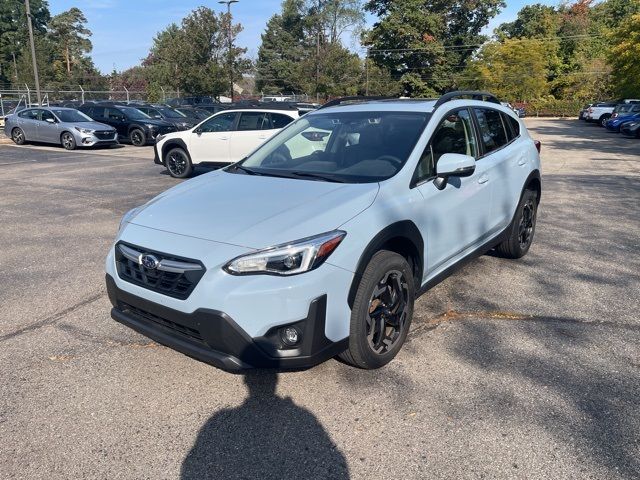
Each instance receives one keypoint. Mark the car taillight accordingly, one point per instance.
(538, 145)
(590, 110)
(614, 115)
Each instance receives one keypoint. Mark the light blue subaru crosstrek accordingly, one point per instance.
(318, 242)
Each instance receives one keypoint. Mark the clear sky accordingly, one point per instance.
(123, 30)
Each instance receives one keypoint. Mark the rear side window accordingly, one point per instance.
(492, 130)
(254, 121)
(29, 114)
(513, 126)
(279, 120)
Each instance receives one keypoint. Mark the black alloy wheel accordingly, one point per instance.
(137, 137)
(381, 312)
(388, 308)
(178, 163)
(519, 234)
(527, 224)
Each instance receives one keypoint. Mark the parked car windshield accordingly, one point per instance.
(624, 107)
(73, 116)
(346, 147)
(169, 113)
(134, 113)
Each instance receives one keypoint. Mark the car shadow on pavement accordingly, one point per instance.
(266, 437)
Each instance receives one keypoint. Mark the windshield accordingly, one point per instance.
(134, 113)
(73, 116)
(623, 108)
(169, 113)
(348, 147)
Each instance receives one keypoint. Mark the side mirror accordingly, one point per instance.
(157, 116)
(198, 130)
(49, 120)
(453, 165)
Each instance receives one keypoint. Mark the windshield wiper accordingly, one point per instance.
(318, 176)
(246, 170)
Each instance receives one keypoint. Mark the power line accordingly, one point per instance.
(453, 47)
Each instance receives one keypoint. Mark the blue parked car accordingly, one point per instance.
(621, 114)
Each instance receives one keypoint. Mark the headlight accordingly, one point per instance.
(86, 131)
(150, 126)
(126, 218)
(296, 257)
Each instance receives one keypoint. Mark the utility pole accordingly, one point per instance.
(33, 51)
(318, 51)
(230, 55)
(15, 66)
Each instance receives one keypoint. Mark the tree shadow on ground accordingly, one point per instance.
(588, 395)
(266, 437)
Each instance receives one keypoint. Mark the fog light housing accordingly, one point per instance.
(290, 336)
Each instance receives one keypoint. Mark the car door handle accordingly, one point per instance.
(262, 137)
(484, 178)
(224, 138)
(522, 161)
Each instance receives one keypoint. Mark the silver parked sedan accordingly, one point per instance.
(64, 126)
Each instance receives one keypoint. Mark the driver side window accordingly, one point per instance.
(47, 115)
(219, 123)
(454, 134)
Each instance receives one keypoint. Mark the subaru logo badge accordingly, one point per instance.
(149, 261)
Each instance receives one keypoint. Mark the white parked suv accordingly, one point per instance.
(601, 112)
(318, 242)
(224, 138)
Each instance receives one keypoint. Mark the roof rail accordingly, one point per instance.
(475, 95)
(354, 99)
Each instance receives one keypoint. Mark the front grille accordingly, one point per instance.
(104, 135)
(173, 284)
(189, 332)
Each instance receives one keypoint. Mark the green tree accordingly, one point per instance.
(193, 57)
(624, 57)
(282, 51)
(515, 69)
(14, 35)
(533, 21)
(69, 31)
(302, 49)
(424, 43)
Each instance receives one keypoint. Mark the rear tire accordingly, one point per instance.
(137, 137)
(68, 141)
(382, 311)
(520, 232)
(17, 135)
(178, 163)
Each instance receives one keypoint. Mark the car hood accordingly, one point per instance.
(254, 211)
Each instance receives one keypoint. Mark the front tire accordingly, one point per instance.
(17, 135)
(604, 119)
(178, 163)
(68, 141)
(382, 311)
(521, 230)
(137, 137)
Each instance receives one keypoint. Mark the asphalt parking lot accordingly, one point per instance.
(513, 369)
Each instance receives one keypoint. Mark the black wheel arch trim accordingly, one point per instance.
(402, 231)
(172, 143)
(534, 178)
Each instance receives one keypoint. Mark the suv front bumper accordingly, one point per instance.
(213, 337)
